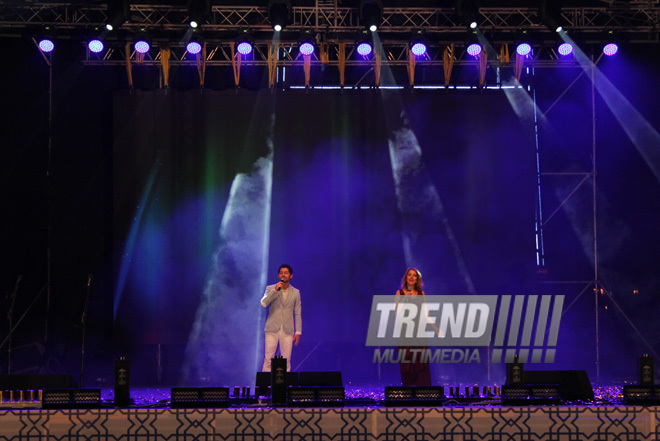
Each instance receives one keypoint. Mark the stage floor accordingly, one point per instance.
(151, 418)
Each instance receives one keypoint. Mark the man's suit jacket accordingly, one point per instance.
(282, 314)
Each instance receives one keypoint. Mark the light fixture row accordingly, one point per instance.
(306, 47)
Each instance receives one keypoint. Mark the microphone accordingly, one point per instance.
(89, 280)
(282, 279)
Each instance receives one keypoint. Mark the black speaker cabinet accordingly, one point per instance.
(573, 385)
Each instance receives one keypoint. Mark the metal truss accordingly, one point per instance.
(640, 18)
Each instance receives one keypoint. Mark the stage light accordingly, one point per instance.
(418, 49)
(474, 49)
(46, 44)
(550, 15)
(244, 47)
(306, 48)
(244, 43)
(610, 49)
(198, 12)
(565, 49)
(142, 43)
(279, 13)
(195, 42)
(468, 12)
(194, 47)
(418, 44)
(371, 14)
(523, 49)
(364, 48)
(117, 13)
(95, 45)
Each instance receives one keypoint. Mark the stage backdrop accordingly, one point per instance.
(214, 190)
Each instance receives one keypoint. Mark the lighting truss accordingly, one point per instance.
(640, 19)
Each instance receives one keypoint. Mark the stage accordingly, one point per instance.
(479, 421)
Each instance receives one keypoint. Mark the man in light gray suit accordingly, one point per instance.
(284, 312)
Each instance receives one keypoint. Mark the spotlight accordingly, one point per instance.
(194, 46)
(142, 43)
(95, 45)
(468, 12)
(244, 43)
(46, 44)
(550, 15)
(418, 44)
(610, 49)
(418, 48)
(523, 49)
(306, 48)
(198, 12)
(565, 49)
(117, 13)
(371, 14)
(279, 13)
(474, 49)
(364, 48)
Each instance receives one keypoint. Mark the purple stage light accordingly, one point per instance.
(95, 45)
(610, 49)
(474, 49)
(46, 45)
(565, 49)
(142, 46)
(364, 49)
(194, 47)
(244, 48)
(306, 48)
(524, 49)
(418, 49)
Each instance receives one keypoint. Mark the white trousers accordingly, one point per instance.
(271, 341)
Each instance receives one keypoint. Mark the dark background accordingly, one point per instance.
(334, 213)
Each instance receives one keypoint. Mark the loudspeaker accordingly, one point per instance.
(414, 396)
(36, 382)
(646, 370)
(520, 394)
(573, 385)
(262, 382)
(311, 396)
(642, 394)
(199, 397)
(71, 399)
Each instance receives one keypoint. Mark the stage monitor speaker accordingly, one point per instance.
(414, 396)
(310, 396)
(204, 397)
(71, 399)
(573, 385)
(641, 394)
(36, 382)
(321, 379)
(520, 394)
